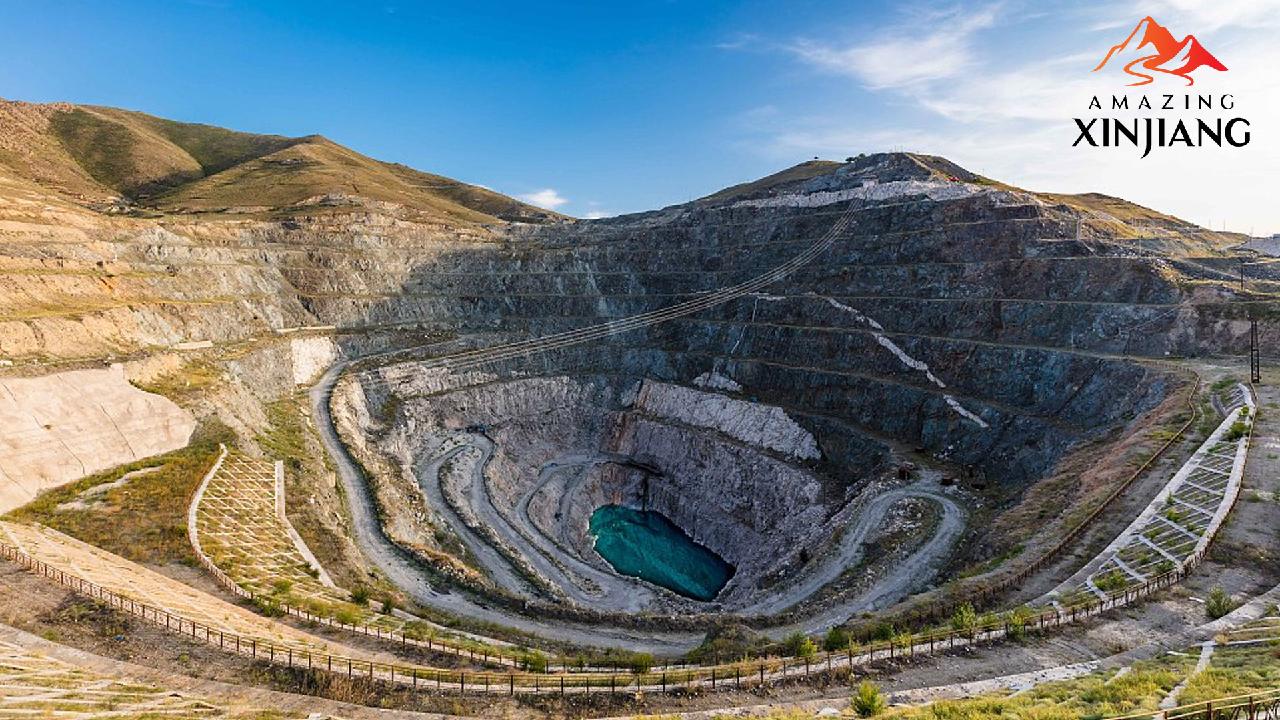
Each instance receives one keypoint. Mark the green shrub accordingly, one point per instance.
(883, 631)
(1018, 620)
(418, 630)
(534, 662)
(360, 595)
(867, 700)
(1113, 580)
(837, 639)
(1218, 604)
(965, 619)
(641, 663)
(1238, 430)
(904, 639)
(268, 606)
(799, 645)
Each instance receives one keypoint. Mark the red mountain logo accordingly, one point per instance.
(1165, 55)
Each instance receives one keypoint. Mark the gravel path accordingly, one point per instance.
(404, 572)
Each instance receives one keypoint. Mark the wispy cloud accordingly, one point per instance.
(545, 198)
(905, 56)
(1004, 109)
(741, 41)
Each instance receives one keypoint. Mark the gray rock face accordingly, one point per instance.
(973, 324)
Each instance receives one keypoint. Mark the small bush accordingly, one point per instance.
(641, 663)
(1018, 620)
(799, 645)
(534, 662)
(268, 606)
(965, 619)
(867, 700)
(883, 631)
(1218, 604)
(1112, 581)
(418, 630)
(1238, 430)
(837, 639)
(360, 595)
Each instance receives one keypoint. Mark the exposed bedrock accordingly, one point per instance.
(974, 329)
(541, 454)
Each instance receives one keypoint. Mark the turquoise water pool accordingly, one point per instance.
(646, 545)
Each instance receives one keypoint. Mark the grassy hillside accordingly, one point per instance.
(98, 153)
(795, 173)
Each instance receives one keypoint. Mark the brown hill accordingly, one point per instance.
(102, 155)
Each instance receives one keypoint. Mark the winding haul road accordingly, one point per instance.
(404, 571)
(548, 559)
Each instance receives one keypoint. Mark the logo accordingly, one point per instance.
(1167, 55)
(1146, 121)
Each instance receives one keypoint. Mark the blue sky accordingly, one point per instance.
(598, 108)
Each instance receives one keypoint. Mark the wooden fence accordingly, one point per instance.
(688, 678)
(726, 676)
(1254, 706)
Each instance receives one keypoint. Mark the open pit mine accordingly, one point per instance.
(275, 405)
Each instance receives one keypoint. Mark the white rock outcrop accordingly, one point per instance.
(765, 426)
(311, 356)
(61, 427)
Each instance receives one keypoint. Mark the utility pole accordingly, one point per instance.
(1255, 356)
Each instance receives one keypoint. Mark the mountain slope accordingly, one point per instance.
(99, 154)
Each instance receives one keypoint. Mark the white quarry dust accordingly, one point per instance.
(64, 426)
(877, 331)
(883, 191)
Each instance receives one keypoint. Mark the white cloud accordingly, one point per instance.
(597, 214)
(905, 57)
(545, 198)
(1202, 16)
(1011, 117)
